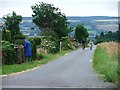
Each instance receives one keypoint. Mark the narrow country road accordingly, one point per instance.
(72, 70)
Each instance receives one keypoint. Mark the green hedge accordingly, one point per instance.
(8, 53)
(37, 40)
(6, 35)
(66, 43)
(20, 41)
(50, 44)
(21, 36)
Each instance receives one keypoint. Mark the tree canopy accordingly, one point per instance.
(47, 17)
(12, 23)
(81, 33)
(109, 36)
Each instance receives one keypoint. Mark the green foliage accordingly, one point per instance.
(8, 69)
(50, 41)
(39, 56)
(37, 40)
(9, 53)
(12, 24)
(106, 37)
(47, 17)
(19, 39)
(6, 35)
(66, 43)
(50, 44)
(20, 36)
(50, 33)
(81, 33)
(19, 42)
(105, 65)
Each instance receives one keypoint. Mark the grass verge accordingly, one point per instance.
(9, 69)
(105, 64)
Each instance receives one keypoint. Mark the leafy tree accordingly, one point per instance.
(109, 36)
(12, 23)
(102, 34)
(6, 36)
(47, 17)
(117, 35)
(81, 33)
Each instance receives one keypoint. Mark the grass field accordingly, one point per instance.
(105, 61)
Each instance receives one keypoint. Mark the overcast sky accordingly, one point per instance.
(69, 7)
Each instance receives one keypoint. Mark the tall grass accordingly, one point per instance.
(105, 61)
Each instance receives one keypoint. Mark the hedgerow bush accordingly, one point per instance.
(19, 42)
(66, 43)
(8, 53)
(20, 36)
(6, 35)
(50, 41)
(39, 56)
(37, 40)
(19, 39)
(50, 44)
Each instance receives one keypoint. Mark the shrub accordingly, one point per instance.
(50, 44)
(39, 56)
(19, 42)
(6, 35)
(66, 43)
(37, 40)
(8, 52)
(19, 39)
(21, 36)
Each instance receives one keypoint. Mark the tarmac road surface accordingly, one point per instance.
(74, 70)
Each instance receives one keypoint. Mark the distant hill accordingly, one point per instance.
(90, 17)
(94, 24)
